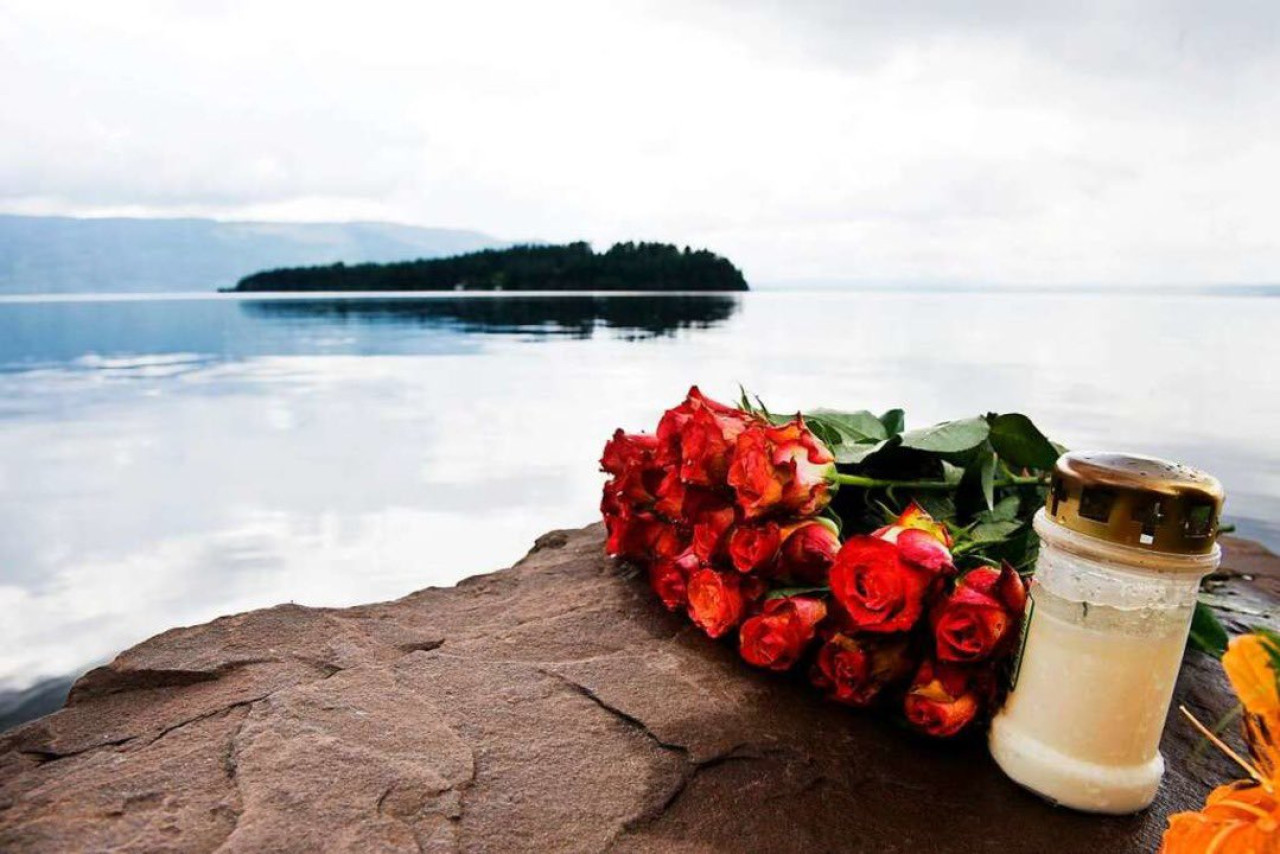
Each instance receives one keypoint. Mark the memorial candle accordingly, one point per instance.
(1125, 541)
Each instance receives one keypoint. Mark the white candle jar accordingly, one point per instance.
(1124, 543)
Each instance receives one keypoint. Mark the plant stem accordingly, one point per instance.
(940, 485)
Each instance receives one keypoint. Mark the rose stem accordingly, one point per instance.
(876, 483)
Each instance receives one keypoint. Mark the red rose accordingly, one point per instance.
(667, 541)
(625, 450)
(629, 533)
(674, 420)
(945, 698)
(854, 671)
(754, 548)
(781, 468)
(716, 600)
(776, 637)
(696, 438)
(669, 495)
(669, 578)
(639, 534)
(979, 617)
(612, 502)
(638, 486)
(808, 550)
(706, 443)
(712, 518)
(877, 589)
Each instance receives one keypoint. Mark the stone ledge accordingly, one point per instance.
(550, 706)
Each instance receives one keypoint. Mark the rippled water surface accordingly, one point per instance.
(164, 461)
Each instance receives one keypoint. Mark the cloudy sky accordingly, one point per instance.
(809, 140)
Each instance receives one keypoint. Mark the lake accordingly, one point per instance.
(167, 460)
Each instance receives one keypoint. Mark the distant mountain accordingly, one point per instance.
(69, 255)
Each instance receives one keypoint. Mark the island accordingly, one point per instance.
(569, 267)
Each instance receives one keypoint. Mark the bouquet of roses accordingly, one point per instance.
(883, 563)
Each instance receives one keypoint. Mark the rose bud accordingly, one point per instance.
(854, 671)
(915, 518)
(980, 615)
(808, 550)
(921, 541)
(754, 548)
(945, 698)
(669, 578)
(777, 636)
(716, 600)
(626, 450)
(780, 468)
(878, 591)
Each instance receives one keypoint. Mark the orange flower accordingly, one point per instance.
(1236, 819)
(1241, 817)
(1252, 663)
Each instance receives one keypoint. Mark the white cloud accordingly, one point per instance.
(815, 140)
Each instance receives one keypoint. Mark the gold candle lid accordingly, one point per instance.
(1136, 501)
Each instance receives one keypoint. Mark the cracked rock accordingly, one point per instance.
(553, 706)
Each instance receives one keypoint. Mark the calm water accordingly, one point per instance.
(165, 461)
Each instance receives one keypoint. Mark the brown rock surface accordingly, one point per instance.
(551, 706)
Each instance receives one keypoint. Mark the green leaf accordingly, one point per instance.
(894, 421)
(1229, 603)
(783, 592)
(992, 532)
(987, 476)
(855, 427)
(1006, 509)
(850, 454)
(949, 437)
(827, 435)
(1020, 443)
(1207, 633)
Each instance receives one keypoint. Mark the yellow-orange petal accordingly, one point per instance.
(918, 518)
(1248, 665)
(1238, 818)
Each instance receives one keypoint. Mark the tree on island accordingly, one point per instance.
(570, 267)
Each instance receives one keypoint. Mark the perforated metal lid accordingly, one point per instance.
(1136, 501)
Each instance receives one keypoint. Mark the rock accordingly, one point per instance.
(550, 706)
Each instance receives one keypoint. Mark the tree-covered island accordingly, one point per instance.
(571, 267)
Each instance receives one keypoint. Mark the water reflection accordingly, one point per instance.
(163, 462)
(97, 333)
(571, 316)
